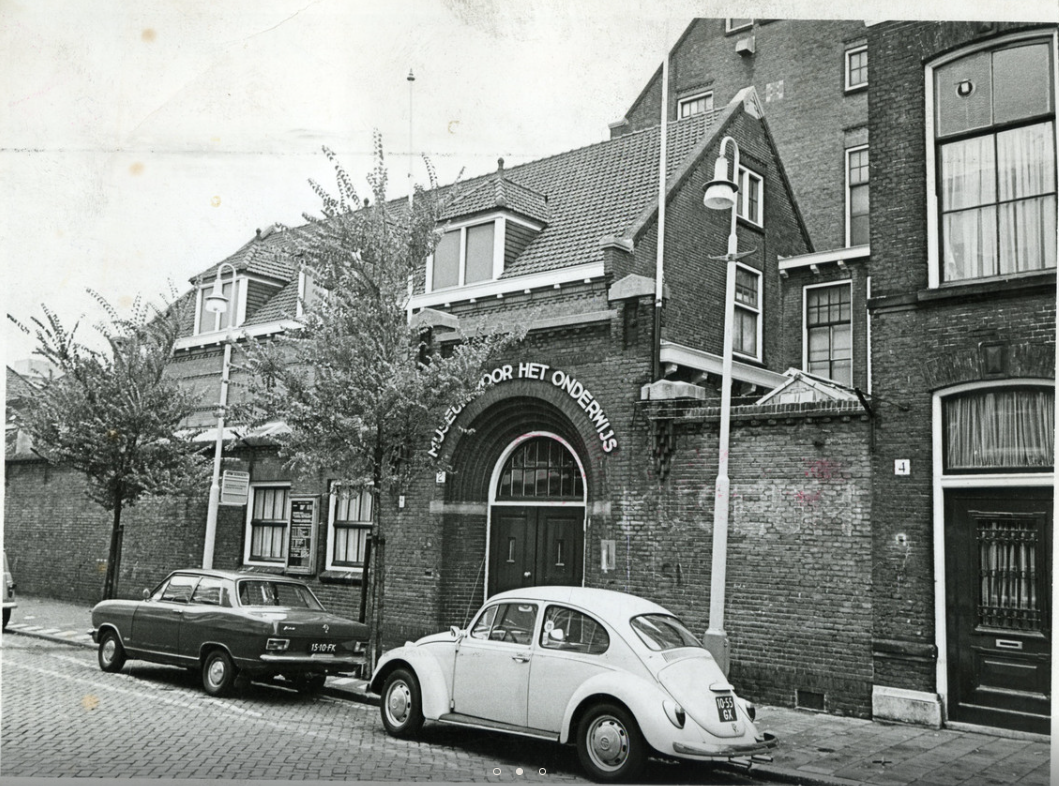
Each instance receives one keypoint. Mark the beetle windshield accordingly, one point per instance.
(661, 632)
(277, 593)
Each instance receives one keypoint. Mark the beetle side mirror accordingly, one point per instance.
(456, 633)
(146, 594)
(557, 635)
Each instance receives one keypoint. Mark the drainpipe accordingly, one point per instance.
(656, 367)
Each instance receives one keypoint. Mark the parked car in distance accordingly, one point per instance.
(228, 625)
(614, 674)
(9, 593)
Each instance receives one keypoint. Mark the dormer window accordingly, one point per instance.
(465, 256)
(232, 316)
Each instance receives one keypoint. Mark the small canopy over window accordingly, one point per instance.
(1000, 429)
(541, 468)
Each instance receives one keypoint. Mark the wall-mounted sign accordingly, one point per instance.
(543, 372)
(301, 544)
(235, 487)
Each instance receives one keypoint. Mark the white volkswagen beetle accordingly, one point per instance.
(616, 674)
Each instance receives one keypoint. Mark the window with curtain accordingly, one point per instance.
(1000, 429)
(351, 527)
(747, 312)
(995, 130)
(268, 524)
(464, 256)
(1010, 590)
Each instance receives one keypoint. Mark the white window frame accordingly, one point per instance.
(745, 176)
(248, 528)
(805, 324)
(329, 563)
(729, 27)
(856, 50)
(757, 311)
(849, 200)
(238, 301)
(499, 245)
(708, 94)
(933, 201)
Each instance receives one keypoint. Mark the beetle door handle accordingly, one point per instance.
(520, 658)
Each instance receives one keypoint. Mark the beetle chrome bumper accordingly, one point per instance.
(768, 740)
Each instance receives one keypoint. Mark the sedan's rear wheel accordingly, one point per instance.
(218, 673)
(111, 653)
(401, 705)
(610, 745)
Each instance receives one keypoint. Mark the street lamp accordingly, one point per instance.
(217, 303)
(722, 193)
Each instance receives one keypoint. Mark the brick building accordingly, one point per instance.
(875, 387)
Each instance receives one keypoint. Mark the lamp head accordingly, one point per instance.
(720, 192)
(216, 302)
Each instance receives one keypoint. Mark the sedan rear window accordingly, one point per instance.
(277, 593)
(661, 632)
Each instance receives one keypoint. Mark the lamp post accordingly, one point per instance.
(217, 303)
(721, 194)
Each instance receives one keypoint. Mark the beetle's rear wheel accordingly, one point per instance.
(610, 745)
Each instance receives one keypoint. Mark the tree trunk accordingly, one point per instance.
(110, 582)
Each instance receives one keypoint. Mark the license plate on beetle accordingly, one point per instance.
(726, 709)
(322, 648)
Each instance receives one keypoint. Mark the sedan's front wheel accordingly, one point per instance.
(610, 745)
(218, 673)
(111, 653)
(401, 705)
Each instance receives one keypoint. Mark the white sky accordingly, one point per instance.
(143, 140)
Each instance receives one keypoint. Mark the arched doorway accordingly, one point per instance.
(536, 530)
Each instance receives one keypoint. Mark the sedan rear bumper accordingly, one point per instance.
(702, 751)
(327, 663)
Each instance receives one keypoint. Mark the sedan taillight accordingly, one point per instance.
(277, 645)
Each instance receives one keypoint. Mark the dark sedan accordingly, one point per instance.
(229, 625)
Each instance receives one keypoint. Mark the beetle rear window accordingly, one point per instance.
(661, 632)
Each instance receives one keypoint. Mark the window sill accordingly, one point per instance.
(990, 287)
(856, 89)
(274, 570)
(335, 576)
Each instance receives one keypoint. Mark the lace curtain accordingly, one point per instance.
(1000, 429)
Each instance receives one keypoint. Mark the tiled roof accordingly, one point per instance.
(499, 192)
(265, 255)
(17, 386)
(582, 196)
(596, 191)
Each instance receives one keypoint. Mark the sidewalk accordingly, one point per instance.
(813, 748)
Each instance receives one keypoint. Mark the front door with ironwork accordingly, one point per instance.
(998, 561)
(537, 519)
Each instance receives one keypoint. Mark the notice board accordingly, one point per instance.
(301, 546)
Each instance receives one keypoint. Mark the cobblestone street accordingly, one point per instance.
(62, 716)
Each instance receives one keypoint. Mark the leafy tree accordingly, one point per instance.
(113, 413)
(359, 387)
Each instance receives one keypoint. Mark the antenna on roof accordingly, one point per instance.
(411, 183)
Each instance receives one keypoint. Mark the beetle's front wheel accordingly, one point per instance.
(610, 745)
(401, 705)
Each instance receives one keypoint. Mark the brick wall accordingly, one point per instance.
(798, 70)
(925, 340)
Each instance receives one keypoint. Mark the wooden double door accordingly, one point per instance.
(534, 545)
(998, 588)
